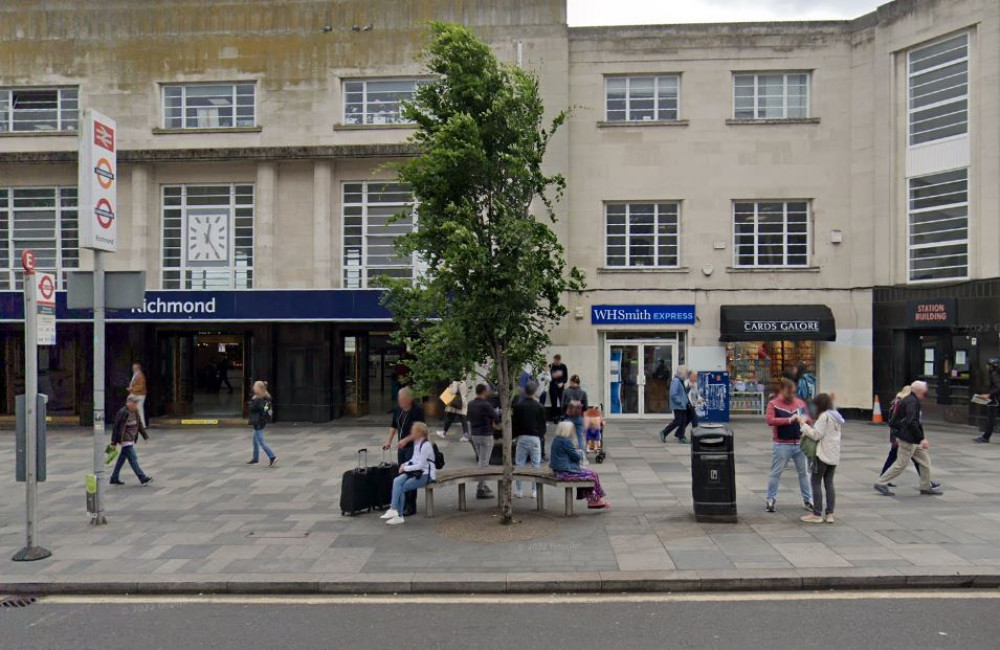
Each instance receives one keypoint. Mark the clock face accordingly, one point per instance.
(207, 240)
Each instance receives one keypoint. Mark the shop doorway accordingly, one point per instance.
(637, 380)
(205, 373)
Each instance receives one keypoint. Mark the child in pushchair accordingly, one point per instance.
(593, 425)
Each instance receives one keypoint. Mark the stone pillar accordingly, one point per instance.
(139, 249)
(265, 203)
(322, 225)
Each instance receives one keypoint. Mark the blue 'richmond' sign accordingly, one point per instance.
(642, 314)
(255, 305)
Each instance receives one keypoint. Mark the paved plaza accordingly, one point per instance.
(209, 519)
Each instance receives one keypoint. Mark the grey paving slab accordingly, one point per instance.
(209, 516)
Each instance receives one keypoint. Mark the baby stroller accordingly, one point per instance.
(593, 427)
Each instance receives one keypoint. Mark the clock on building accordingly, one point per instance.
(207, 240)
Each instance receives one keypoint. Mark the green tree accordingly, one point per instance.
(495, 271)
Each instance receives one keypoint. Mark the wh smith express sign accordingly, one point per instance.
(642, 315)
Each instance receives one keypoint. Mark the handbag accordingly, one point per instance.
(415, 473)
(808, 446)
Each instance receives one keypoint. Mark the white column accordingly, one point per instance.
(140, 259)
(264, 253)
(322, 217)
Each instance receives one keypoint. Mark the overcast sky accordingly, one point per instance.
(636, 12)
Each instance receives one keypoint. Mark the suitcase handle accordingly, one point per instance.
(360, 463)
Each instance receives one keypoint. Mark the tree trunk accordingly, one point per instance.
(506, 401)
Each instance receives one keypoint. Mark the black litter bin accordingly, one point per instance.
(713, 473)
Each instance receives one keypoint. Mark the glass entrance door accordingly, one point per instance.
(637, 377)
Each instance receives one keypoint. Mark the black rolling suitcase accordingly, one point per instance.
(383, 475)
(357, 493)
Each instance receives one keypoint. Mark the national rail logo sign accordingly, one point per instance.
(98, 182)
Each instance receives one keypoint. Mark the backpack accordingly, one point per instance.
(438, 457)
(895, 419)
(265, 412)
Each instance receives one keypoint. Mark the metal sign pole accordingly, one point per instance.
(98, 517)
(30, 551)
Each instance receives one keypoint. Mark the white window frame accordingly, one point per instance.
(785, 233)
(362, 281)
(67, 248)
(186, 210)
(417, 81)
(234, 95)
(656, 96)
(656, 236)
(911, 75)
(784, 104)
(64, 103)
(910, 212)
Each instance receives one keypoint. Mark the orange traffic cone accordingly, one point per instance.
(877, 412)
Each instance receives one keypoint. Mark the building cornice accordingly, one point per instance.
(243, 154)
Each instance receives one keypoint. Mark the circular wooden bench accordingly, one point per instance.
(540, 477)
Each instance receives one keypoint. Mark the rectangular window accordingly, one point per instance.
(371, 101)
(771, 95)
(638, 99)
(939, 90)
(208, 236)
(771, 234)
(642, 234)
(209, 106)
(939, 226)
(369, 237)
(43, 220)
(38, 109)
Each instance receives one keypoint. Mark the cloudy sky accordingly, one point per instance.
(635, 12)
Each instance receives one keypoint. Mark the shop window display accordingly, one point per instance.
(756, 368)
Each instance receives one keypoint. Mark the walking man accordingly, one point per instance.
(528, 423)
(908, 428)
(482, 416)
(993, 367)
(785, 413)
(406, 413)
(679, 405)
(125, 432)
(137, 389)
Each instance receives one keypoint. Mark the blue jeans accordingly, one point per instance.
(258, 442)
(578, 424)
(403, 484)
(128, 453)
(528, 448)
(783, 454)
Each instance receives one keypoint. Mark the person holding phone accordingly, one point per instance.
(785, 414)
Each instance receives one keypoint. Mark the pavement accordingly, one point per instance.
(209, 523)
(963, 620)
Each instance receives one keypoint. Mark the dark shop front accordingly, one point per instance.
(942, 335)
(324, 354)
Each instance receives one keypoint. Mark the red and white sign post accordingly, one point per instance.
(33, 296)
(98, 209)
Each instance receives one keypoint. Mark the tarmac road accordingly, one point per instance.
(830, 620)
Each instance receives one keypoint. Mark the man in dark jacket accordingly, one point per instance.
(559, 374)
(125, 432)
(993, 367)
(908, 428)
(528, 423)
(482, 416)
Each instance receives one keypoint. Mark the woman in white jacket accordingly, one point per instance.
(826, 433)
(413, 474)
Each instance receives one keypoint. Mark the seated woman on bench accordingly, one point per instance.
(413, 474)
(564, 460)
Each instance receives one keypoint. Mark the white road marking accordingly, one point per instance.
(524, 599)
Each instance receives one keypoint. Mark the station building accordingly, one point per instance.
(748, 198)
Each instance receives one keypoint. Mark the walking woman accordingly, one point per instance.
(260, 415)
(826, 433)
(565, 463)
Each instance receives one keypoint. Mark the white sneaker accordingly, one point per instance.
(440, 434)
(466, 438)
(395, 521)
(389, 514)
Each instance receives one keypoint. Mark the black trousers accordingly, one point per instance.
(680, 423)
(555, 406)
(991, 420)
